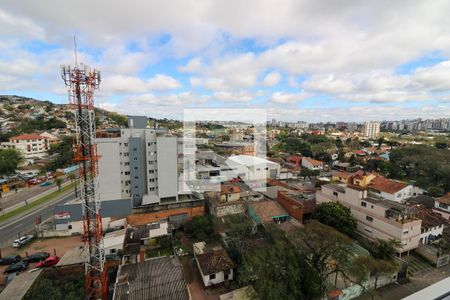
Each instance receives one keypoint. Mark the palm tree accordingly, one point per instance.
(59, 182)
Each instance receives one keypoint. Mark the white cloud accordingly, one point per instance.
(134, 85)
(271, 79)
(192, 66)
(286, 98)
(233, 96)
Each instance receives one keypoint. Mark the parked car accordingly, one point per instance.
(38, 256)
(10, 259)
(50, 261)
(17, 267)
(22, 241)
(47, 183)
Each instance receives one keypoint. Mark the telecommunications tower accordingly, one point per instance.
(81, 82)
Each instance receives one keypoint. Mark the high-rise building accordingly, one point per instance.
(141, 163)
(371, 129)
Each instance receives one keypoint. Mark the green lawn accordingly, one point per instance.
(35, 203)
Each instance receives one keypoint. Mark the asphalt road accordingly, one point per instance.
(25, 224)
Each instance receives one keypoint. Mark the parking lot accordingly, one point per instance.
(54, 246)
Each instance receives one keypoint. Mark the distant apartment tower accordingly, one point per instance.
(140, 164)
(371, 129)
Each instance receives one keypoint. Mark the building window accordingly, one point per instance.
(212, 276)
(134, 158)
(136, 177)
(405, 231)
(151, 171)
(151, 180)
(152, 189)
(369, 218)
(363, 204)
(134, 149)
(127, 163)
(127, 172)
(135, 168)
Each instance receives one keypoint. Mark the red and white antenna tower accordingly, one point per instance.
(81, 82)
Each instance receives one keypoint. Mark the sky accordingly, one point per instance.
(315, 61)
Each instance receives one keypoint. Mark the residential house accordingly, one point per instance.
(226, 202)
(442, 206)
(391, 189)
(312, 164)
(377, 218)
(341, 176)
(214, 263)
(159, 278)
(362, 178)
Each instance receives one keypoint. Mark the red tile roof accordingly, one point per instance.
(444, 199)
(28, 137)
(312, 161)
(359, 152)
(387, 185)
(341, 174)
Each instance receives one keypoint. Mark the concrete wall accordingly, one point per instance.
(151, 217)
(109, 163)
(231, 209)
(167, 166)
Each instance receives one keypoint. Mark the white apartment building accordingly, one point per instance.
(371, 129)
(30, 145)
(140, 164)
(377, 218)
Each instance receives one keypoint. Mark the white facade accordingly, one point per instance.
(140, 164)
(377, 218)
(30, 145)
(158, 229)
(252, 168)
(312, 164)
(110, 165)
(399, 196)
(371, 129)
(113, 241)
(429, 232)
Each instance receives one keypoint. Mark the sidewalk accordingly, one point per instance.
(27, 202)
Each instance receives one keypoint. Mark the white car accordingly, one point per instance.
(22, 241)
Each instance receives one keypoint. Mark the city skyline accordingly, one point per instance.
(301, 61)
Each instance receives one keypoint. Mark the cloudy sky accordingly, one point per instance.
(301, 60)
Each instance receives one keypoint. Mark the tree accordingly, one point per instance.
(435, 191)
(65, 154)
(380, 142)
(278, 271)
(381, 249)
(58, 182)
(9, 160)
(337, 216)
(326, 250)
(200, 227)
(305, 172)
